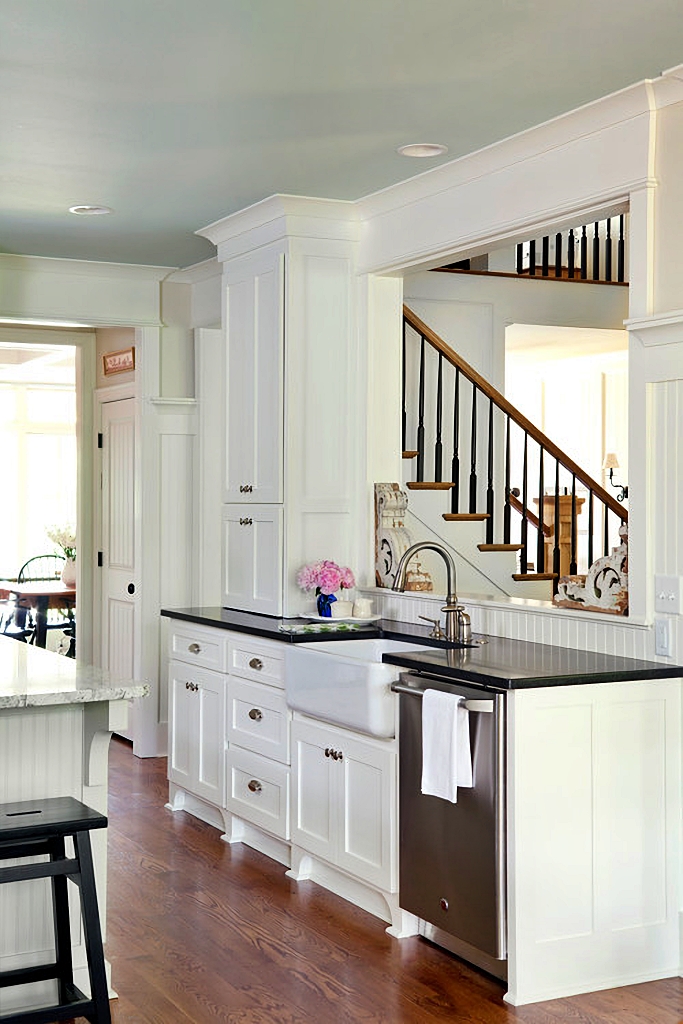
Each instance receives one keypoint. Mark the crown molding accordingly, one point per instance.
(197, 272)
(657, 330)
(83, 268)
(279, 217)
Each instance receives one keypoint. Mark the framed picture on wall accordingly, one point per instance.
(119, 362)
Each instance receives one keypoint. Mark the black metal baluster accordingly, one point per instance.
(421, 416)
(507, 508)
(404, 414)
(489, 489)
(438, 447)
(571, 250)
(608, 251)
(525, 523)
(558, 254)
(557, 556)
(596, 252)
(455, 462)
(584, 253)
(545, 255)
(520, 258)
(572, 552)
(473, 452)
(532, 257)
(620, 250)
(540, 539)
(590, 528)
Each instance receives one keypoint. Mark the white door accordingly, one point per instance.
(252, 558)
(315, 790)
(119, 544)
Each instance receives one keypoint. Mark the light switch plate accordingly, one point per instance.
(668, 594)
(663, 637)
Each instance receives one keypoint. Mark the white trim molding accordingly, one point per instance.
(661, 329)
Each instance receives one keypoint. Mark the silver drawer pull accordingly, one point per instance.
(246, 521)
(246, 488)
(256, 663)
(194, 648)
(255, 715)
(254, 786)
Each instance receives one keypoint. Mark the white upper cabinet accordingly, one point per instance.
(254, 318)
(252, 558)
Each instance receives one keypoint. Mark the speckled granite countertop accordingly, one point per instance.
(31, 677)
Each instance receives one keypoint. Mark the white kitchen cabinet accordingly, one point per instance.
(254, 321)
(344, 801)
(292, 382)
(196, 724)
(252, 558)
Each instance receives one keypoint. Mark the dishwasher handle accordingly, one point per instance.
(482, 706)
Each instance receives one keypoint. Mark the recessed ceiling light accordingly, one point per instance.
(422, 149)
(90, 211)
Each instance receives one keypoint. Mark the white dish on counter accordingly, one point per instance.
(342, 618)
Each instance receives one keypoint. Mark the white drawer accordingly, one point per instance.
(199, 646)
(258, 719)
(259, 660)
(258, 791)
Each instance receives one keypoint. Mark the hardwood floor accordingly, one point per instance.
(200, 931)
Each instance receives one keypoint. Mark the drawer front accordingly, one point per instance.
(258, 660)
(258, 719)
(258, 791)
(206, 648)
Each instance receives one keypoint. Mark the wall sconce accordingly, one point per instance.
(611, 463)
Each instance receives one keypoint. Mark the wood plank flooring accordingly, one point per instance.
(200, 932)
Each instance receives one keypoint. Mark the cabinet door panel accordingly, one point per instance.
(254, 365)
(313, 818)
(367, 837)
(252, 558)
(180, 726)
(209, 699)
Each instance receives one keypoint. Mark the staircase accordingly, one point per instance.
(485, 480)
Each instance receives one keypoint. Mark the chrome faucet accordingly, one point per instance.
(457, 621)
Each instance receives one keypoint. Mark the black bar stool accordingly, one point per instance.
(39, 827)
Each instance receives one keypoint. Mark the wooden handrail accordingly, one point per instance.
(531, 516)
(507, 407)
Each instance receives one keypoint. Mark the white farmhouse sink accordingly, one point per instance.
(345, 682)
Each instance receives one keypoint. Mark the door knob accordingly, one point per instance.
(131, 588)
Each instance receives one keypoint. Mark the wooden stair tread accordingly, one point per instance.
(431, 485)
(536, 576)
(409, 455)
(456, 517)
(499, 547)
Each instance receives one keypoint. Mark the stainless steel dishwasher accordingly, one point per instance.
(452, 856)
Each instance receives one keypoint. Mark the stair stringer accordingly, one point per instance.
(480, 573)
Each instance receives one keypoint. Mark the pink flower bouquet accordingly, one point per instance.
(324, 578)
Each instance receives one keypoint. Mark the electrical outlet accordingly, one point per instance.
(663, 637)
(668, 594)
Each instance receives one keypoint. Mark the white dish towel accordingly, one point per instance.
(446, 756)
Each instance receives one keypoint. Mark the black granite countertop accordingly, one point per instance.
(498, 663)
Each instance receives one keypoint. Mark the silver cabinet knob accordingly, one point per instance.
(443, 903)
(194, 648)
(327, 752)
(255, 715)
(256, 664)
(254, 786)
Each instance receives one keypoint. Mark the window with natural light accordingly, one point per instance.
(38, 442)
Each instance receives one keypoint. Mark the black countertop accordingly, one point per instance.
(499, 663)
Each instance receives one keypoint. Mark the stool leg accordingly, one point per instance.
(92, 931)
(60, 913)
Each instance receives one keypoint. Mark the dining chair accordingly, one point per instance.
(20, 624)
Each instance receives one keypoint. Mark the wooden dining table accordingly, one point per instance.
(39, 595)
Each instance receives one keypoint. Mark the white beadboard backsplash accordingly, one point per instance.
(530, 620)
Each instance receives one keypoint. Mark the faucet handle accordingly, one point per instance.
(437, 633)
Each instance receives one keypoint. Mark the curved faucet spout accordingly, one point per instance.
(428, 545)
(454, 614)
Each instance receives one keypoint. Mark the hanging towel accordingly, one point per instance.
(446, 757)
